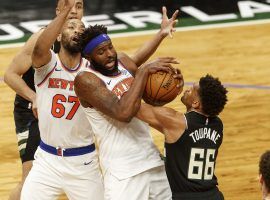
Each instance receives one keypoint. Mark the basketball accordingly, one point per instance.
(161, 88)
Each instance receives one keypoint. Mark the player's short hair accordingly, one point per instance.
(213, 95)
(264, 168)
(57, 2)
(91, 32)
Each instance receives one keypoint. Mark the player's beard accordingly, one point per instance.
(71, 46)
(103, 70)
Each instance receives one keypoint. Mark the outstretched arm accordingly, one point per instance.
(166, 120)
(41, 54)
(93, 92)
(20, 64)
(167, 28)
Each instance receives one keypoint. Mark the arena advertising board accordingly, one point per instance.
(139, 20)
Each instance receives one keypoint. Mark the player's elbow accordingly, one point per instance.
(38, 55)
(7, 77)
(37, 52)
(125, 117)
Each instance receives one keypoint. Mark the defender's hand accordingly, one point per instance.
(34, 108)
(168, 25)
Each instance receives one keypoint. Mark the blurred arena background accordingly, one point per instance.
(226, 38)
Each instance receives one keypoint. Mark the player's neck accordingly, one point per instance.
(69, 60)
(197, 111)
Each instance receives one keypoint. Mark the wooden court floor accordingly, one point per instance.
(237, 55)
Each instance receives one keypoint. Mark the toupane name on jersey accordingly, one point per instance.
(61, 83)
(204, 133)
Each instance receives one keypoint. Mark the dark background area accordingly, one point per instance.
(12, 11)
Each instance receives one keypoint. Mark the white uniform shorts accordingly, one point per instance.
(79, 177)
(151, 184)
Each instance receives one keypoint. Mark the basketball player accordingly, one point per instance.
(264, 177)
(20, 77)
(66, 159)
(192, 139)
(131, 163)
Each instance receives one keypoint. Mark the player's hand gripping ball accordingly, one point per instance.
(161, 88)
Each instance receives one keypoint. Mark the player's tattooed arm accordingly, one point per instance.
(92, 90)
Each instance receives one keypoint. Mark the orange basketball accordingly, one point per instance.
(161, 88)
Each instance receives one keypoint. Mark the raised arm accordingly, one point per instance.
(166, 120)
(41, 54)
(93, 92)
(20, 64)
(148, 48)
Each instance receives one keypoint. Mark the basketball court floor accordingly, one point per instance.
(238, 55)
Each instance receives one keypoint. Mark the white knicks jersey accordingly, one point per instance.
(125, 149)
(62, 121)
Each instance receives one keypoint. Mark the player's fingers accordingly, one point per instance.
(35, 112)
(174, 23)
(177, 71)
(168, 66)
(175, 14)
(178, 76)
(161, 67)
(164, 12)
(180, 85)
(170, 34)
(168, 59)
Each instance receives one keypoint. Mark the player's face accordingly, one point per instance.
(105, 56)
(70, 36)
(76, 11)
(190, 96)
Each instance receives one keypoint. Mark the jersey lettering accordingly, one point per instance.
(61, 83)
(205, 133)
(123, 86)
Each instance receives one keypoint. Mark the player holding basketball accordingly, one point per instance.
(192, 139)
(131, 163)
(20, 77)
(64, 161)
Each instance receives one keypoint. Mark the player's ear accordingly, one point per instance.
(57, 11)
(260, 179)
(196, 104)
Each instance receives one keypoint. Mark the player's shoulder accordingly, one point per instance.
(218, 122)
(87, 78)
(122, 55)
(127, 63)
